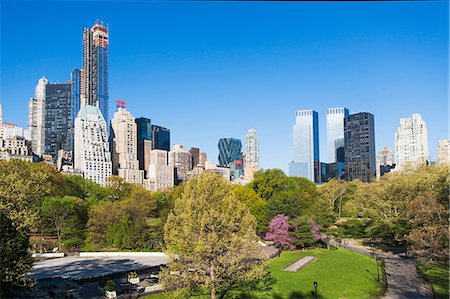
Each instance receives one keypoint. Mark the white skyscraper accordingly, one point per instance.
(306, 146)
(335, 131)
(160, 175)
(411, 142)
(124, 147)
(91, 146)
(251, 162)
(444, 151)
(36, 117)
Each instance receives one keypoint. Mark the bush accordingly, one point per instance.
(110, 285)
(353, 228)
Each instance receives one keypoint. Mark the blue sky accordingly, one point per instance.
(208, 70)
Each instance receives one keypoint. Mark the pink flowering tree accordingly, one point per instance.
(279, 232)
(315, 231)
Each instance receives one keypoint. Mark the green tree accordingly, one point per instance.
(333, 192)
(68, 217)
(258, 207)
(211, 239)
(16, 262)
(301, 232)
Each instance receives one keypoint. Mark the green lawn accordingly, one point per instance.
(340, 274)
(438, 275)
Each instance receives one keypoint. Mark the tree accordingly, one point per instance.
(279, 232)
(304, 231)
(16, 262)
(258, 207)
(429, 221)
(333, 192)
(68, 216)
(210, 237)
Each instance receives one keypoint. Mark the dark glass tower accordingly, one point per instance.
(359, 135)
(160, 138)
(144, 139)
(94, 76)
(75, 78)
(58, 119)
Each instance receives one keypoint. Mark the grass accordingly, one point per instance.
(339, 273)
(437, 274)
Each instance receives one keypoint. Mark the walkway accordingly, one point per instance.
(403, 281)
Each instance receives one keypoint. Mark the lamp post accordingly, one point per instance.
(315, 284)
(378, 271)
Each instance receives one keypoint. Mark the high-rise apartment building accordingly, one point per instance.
(160, 138)
(94, 75)
(195, 154)
(181, 160)
(444, 151)
(335, 132)
(385, 161)
(202, 159)
(306, 146)
(411, 142)
(144, 142)
(58, 119)
(124, 147)
(160, 175)
(251, 162)
(359, 133)
(75, 97)
(36, 117)
(92, 155)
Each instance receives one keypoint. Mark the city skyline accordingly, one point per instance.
(275, 140)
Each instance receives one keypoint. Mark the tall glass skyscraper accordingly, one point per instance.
(58, 119)
(75, 97)
(359, 134)
(144, 142)
(306, 146)
(94, 76)
(335, 131)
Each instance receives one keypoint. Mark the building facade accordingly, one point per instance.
(160, 175)
(58, 119)
(92, 155)
(144, 142)
(181, 161)
(230, 155)
(195, 154)
(306, 146)
(411, 142)
(123, 141)
(251, 161)
(160, 138)
(444, 151)
(75, 98)
(94, 75)
(335, 131)
(385, 161)
(36, 117)
(359, 132)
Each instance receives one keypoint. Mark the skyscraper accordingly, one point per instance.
(75, 79)
(92, 155)
(335, 131)
(195, 154)
(124, 147)
(385, 161)
(181, 160)
(306, 146)
(94, 75)
(160, 175)
(444, 151)
(58, 119)
(160, 138)
(411, 142)
(230, 154)
(251, 163)
(359, 134)
(144, 142)
(36, 117)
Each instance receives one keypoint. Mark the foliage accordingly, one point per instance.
(429, 222)
(89, 191)
(68, 216)
(110, 285)
(279, 232)
(258, 207)
(302, 232)
(437, 274)
(211, 239)
(16, 261)
(333, 192)
(353, 228)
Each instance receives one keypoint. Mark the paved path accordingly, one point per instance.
(403, 281)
